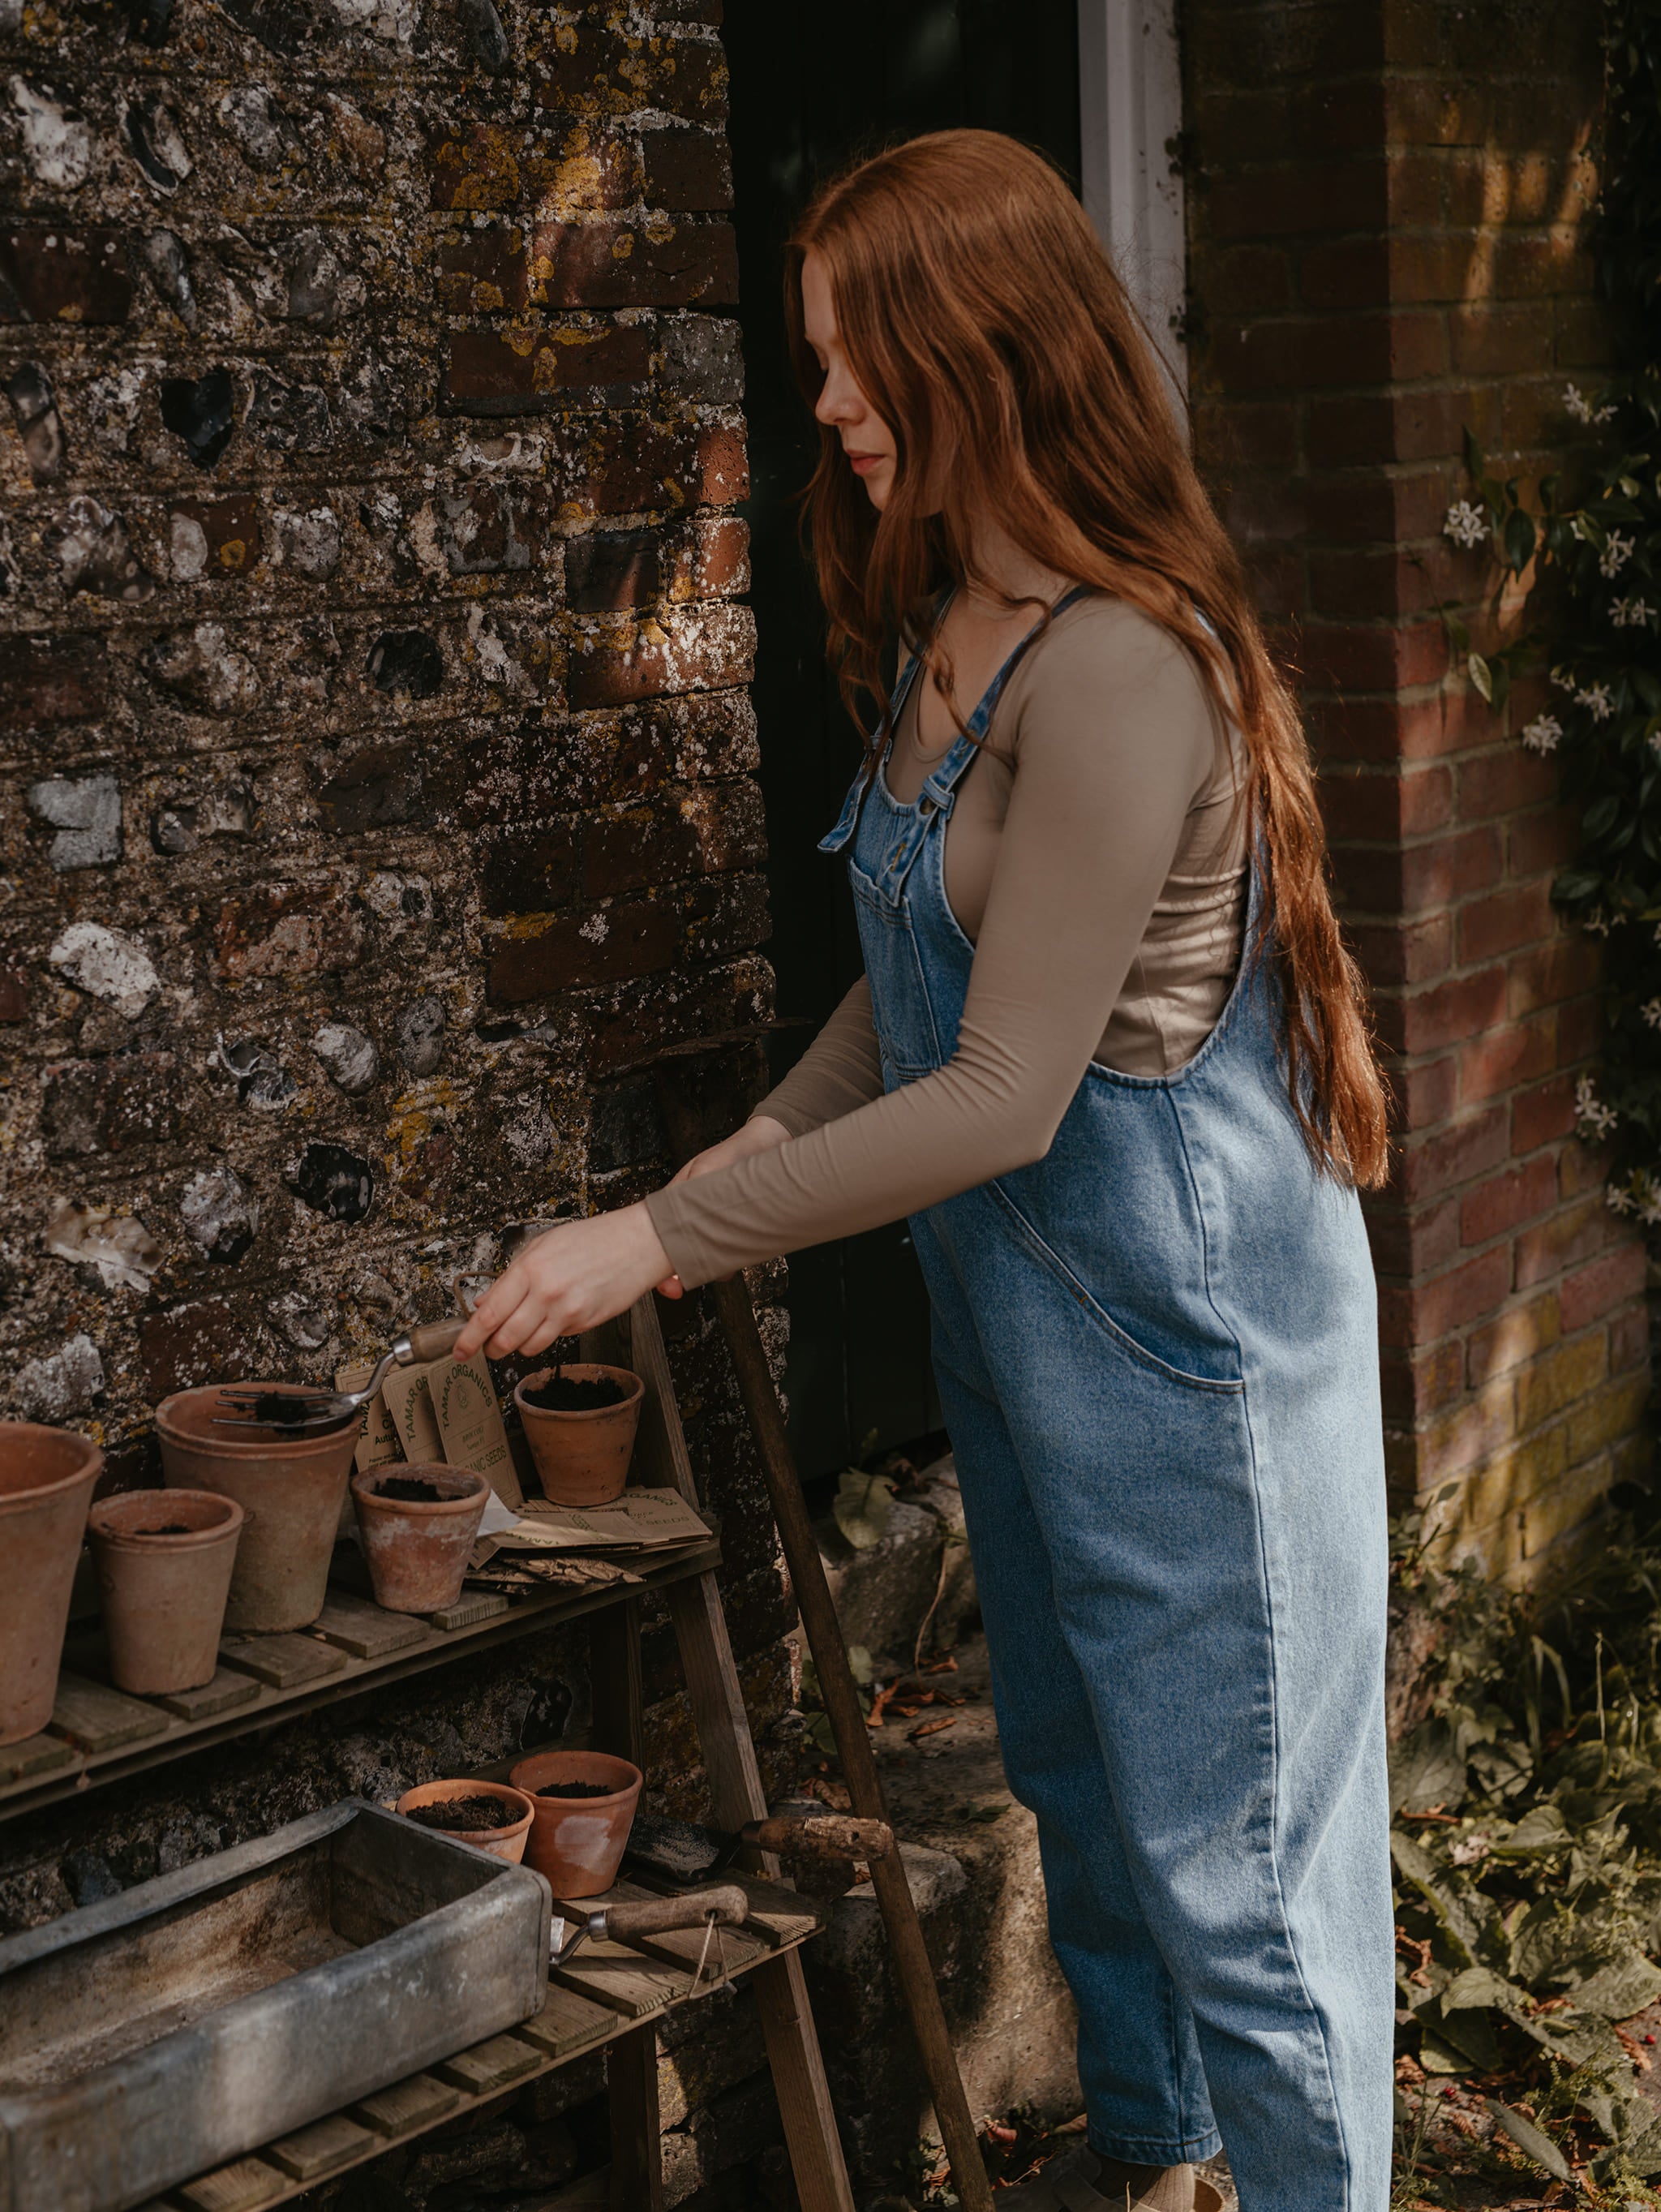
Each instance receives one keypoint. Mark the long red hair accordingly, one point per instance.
(985, 323)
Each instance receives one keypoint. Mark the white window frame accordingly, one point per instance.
(1129, 115)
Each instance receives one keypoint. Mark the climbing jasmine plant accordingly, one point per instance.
(1591, 559)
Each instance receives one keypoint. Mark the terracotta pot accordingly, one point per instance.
(577, 1843)
(501, 1843)
(290, 1488)
(417, 1554)
(164, 1595)
(583, 1458)
(46, 1478)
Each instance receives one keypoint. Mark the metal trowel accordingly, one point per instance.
(726, 1906)
(681, 1852)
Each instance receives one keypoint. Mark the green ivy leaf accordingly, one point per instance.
(1480, 675)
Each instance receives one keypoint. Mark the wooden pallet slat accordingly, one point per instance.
(471, 1606)
(567, 2024)
(365, 1630)
(309, 2153)
(223, 1693)
(624, 1980)
(245, 2185)
(100, 1719)
(489, 2066)
(413, 2102)
(282, 1661)
(36, 1755)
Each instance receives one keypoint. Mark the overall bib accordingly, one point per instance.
(1157, 1355)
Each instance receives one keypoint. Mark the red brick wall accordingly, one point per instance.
(1387, 205)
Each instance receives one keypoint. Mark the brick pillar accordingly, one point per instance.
(1386, 209)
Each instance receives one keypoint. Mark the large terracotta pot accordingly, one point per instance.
(163, 1560)
(417, 1548)
(582, 1458)
(46, 1478)
(291, 1488)
(577, 1843)
(501, 1842)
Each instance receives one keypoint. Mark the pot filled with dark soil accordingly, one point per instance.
(487, 1815)
(584, 1803)
(291, 1485)
(46, 1478)
(580, 1422)
(163, 1560)
(417, 1525)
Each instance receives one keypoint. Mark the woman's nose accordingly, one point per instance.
(837, 402)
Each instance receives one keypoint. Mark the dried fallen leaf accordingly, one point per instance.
(930, 1728)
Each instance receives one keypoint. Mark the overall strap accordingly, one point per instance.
(937, 790)
(848, 821)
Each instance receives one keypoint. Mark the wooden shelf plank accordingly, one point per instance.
(134, 1734)
(367, 1630)
(311, 2152)
(99, 1719)
(223, 1694)
(282, 1661)
(570, 2024)
(418, 2101)
(489, 2066)
(245, 2185)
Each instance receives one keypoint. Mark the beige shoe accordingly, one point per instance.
(1064, 2186)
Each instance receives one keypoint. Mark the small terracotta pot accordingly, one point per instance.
(46, 1478)
(501, 1843)
(164, 1595)
(583, 1458)
(577, 1842)
(417, 1554)
(290, 1487)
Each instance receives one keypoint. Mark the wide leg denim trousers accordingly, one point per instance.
(1157, 1355)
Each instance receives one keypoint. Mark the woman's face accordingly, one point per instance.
(867, 440)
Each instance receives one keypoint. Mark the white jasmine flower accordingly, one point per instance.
(1618, 1197)
(1650, 1212)
(1595, 924)
(1650, 1010)
(1543, 734)
(1564, 678)
(1627, 613)
(1596, 702)
(1465, 524)
(1581, 408)
(1616, 553)
(1590, 1111)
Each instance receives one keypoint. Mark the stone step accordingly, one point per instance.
(884, 1592)
(971, 1855)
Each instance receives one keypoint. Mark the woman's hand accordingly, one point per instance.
(759, 1134)
(571, 1278)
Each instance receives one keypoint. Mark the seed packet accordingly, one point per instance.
(470, 1423)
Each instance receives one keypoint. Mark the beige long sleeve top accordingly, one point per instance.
(1096, 859)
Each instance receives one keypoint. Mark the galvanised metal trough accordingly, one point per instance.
(163, 2032)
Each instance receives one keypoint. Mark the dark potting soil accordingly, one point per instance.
(167, 1529)
(277, 1409)
(408, 1490)
(576, 1790)
(567, 1394)
(479, 1811)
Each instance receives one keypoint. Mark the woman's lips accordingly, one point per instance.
(861, 463)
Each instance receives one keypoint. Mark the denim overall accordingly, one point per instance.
(1157, 1356)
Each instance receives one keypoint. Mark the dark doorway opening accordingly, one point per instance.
(815, 87)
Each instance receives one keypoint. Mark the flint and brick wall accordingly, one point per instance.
(375, 756)
(1389, 210)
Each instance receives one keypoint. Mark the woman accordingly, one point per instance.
(1109, 1055)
